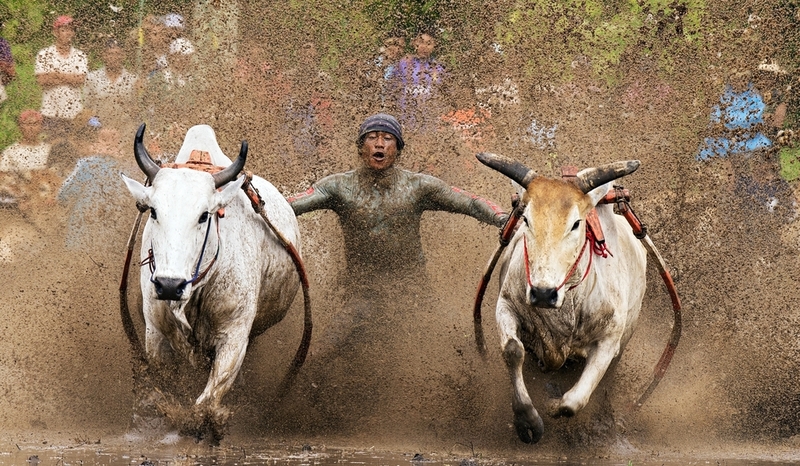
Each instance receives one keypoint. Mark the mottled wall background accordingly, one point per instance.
(582, 83)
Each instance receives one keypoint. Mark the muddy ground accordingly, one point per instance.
(414, 380)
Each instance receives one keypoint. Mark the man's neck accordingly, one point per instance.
(63, 49)
(378, 178)
(113, 74)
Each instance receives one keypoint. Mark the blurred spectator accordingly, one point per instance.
(180, 68)
(61, 72)
(386, 62)
(154, 42)
(170, 96)
(31, 153)
(215, 30)
(416, 83)
(744, 126)
(25, 178)
(309, 113)
(109, 91)
(158, 32)
(95, 194)
(7, 69)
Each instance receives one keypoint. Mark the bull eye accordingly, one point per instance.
(576, 225)
(153, 214)
(203, 217)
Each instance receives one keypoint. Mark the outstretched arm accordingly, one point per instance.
(451, 199)
(316, 197)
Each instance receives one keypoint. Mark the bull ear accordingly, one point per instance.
(138, 190)
(591, 178)
(511, 168)
(228, 193)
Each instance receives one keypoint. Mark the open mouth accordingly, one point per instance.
(379, 156)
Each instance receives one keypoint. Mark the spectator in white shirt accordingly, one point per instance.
(61, 72)
(109, 91)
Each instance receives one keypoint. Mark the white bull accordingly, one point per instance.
(213, 282)
(556, 300)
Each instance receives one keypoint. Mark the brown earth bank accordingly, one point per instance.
(411, 381)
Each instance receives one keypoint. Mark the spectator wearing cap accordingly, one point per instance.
(109, 91)
(380, 206)
(61, 72)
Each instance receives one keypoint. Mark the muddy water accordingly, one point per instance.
(308, 455)
(417, 384)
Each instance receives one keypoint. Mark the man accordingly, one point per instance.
(380, 206)
(30, 153)
(26, 179)
(388, 299)
(417, 81)
(61, 71)
(109, 91)
(8, 70)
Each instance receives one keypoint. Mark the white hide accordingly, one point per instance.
(235, 300)
(592, 321)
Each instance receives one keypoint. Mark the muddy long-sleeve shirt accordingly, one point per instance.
(380, 213)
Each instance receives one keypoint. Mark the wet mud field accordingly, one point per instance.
(402, 376)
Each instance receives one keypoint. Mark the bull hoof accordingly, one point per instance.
(529, 425)
(201, 422)
(556, 408)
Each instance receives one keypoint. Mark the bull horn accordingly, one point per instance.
(143, 159)
(593, 177)
(232, 171)
(511, 168)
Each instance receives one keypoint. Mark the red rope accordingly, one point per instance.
(597, 248)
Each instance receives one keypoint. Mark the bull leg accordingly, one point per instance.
(207, 419)
(597, 362)
(528, 423)
(164, 336)
(230, 350)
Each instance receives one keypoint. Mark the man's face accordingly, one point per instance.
(113, 58)
(393, 48)
(424, 45)
(30, 130)
(379, 150)
(64, 34)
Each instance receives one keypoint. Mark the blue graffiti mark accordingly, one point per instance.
(737, 112)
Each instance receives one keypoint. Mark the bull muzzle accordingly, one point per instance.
(543, 297)
(169, 289)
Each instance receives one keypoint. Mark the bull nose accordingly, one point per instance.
(170, 289)
(544, 297)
